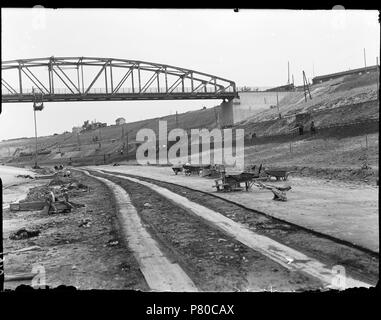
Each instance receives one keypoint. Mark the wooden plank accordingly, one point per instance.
(20, 276)
(51, 176)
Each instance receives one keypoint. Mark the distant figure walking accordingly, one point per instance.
(313, 129)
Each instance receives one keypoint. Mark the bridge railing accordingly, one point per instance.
(130, 90)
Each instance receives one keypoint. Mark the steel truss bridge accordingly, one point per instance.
(106, 79)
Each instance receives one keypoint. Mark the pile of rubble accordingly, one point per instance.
(24, 176)
(44, 170)
(37, 194)
(24, 234)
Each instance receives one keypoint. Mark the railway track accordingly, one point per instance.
(316, 259)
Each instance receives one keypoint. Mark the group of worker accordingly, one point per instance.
(51, 199)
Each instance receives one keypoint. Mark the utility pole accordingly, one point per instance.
(277, 104)
(38, 105)
(378, 80)
(288, 72)
(35, 135)
(306, 87)
(364, 58)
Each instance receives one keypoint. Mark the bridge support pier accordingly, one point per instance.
(226, 117)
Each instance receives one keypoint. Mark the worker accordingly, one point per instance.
(65, 195)
(313, 129)
(50, 202)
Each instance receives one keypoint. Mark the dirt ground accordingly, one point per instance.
(342, 210)
(357, 263)
(91, 256)
(213, 260)
(340, 159)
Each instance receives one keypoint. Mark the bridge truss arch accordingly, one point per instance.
(106, 79)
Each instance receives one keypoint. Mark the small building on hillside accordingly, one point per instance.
(358, 71)
(120, 121)
(77, 129)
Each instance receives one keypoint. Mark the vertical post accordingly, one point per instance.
(132, 80)
(288, 72)
(111, 79)
(192, 82)
(140, 83)
(290, 148)
(158, 82)
(366, 141)
(50, 80)
(277, 104)
(166, 81)
(83, 84)
(364, 59)
(106, 80)
(79, 84)
(35, 135)
(20, 79)
(378, 80)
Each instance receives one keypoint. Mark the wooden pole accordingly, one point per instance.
(35, 134)
(378, 80)
(364, 59)
(288, 72)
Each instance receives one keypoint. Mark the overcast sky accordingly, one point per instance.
(250, 47)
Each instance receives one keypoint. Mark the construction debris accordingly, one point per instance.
(22, 250)
(20, 277)
(85, 223)
(27, 206)
(44, 171)
(24, 234)
(25, 176)
(278, 191)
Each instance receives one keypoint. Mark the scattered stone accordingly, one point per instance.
(85, 223)
(220, 240)
(147, 205)
(125, 267)
(24, 234)
(112, 243)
